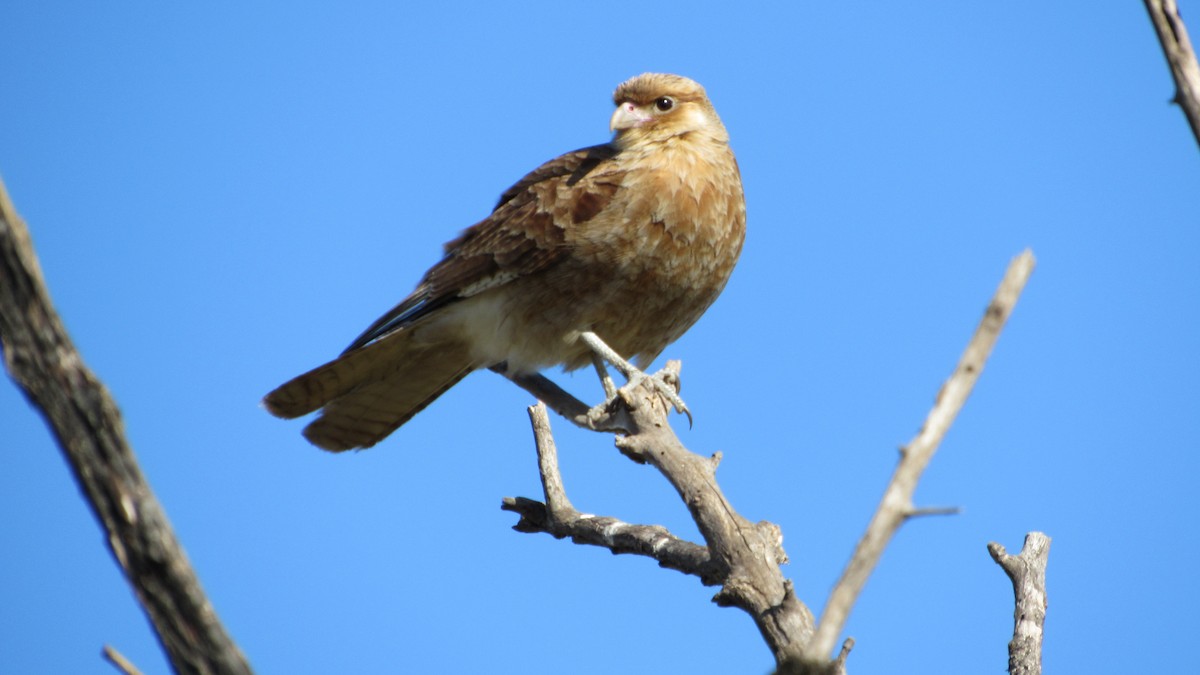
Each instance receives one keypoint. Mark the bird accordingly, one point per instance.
(614, 249)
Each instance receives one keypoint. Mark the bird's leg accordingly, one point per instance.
(601, 352)
(610, 389)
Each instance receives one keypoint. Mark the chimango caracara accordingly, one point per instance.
(622, 245)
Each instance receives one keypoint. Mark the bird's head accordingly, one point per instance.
(656, 106)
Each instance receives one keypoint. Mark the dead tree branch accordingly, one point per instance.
(743, 558)
(1027, 570)
(559, 518)
(740, 556)
(1181, 58)
(897, 504)
(562, 402)
(84, 418)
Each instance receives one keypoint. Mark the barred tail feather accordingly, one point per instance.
(369, 392)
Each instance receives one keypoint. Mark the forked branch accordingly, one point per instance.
(559, 518)
(1027, 570)
(897, 504)
(743, 557)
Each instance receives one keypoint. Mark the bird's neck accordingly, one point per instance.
(641, 141)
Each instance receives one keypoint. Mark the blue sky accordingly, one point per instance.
(223, 197)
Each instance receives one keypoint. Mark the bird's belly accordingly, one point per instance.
(535, 323)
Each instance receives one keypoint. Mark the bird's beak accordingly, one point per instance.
(627, 116)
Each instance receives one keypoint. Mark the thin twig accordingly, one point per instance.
(560, 519)
(119, 661)
(896, 505)
(1027, 571)
(557, 504)
(840, 661)
(84, 418)
(1181, 58)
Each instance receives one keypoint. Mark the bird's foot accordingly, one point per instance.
(664, 383)
(610, 389)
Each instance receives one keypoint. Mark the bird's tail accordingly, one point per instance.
(368, 393)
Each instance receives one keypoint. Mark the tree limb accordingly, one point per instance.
(562, 402)
(559, 518)
(1027, 571)
(1181, 58)
(897, 505)
(740, 556)
(84, 418)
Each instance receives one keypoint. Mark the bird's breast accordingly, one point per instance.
(638, 272)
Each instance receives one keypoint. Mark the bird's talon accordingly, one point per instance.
(666, 385)
(671, 379)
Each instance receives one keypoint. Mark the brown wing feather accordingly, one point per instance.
(575, 165)
(522, 236)
(385, 377)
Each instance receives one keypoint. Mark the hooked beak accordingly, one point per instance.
(627, 116)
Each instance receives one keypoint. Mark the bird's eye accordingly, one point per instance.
(664, 103)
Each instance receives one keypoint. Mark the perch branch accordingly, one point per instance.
(84, 419)
(559, 518)
(1027, 571)
(740, 556)
(897, 505)
(562, 402)
(1181, 58)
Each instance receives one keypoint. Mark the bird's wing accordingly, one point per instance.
(522, 236)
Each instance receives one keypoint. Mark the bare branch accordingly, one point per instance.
(804, 666)
(896, 505)
(934, 511)
(557, 504)
(742, 557)
(85, 421)
(559, 518)
(840, 661)
(1181, 58)
(1027, 571)
(562, 402)
(119, 661)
